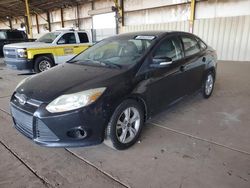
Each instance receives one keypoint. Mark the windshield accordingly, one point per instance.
(48, 37)
(114, 52)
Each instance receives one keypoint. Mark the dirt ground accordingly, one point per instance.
(196, 143)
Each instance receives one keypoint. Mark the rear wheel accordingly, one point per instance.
(43, 63)
(208, 85)
(125, 125)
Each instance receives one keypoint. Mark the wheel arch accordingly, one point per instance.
(49, 55)
(142, 102)
(210, 69)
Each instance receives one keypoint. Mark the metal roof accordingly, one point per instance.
(15, 8)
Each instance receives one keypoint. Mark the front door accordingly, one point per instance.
(165, 86)
(66, 48)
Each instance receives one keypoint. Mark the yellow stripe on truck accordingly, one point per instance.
(57, 50)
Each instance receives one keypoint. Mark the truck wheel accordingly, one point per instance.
(43, 63)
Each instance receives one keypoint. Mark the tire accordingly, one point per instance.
(122, 132)
(43, 63)
(208, 85)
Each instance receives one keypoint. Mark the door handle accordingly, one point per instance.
(182, 68)
(76, 46)
(204, 59)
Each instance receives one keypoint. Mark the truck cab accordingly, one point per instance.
(8, 36)
(47, 51)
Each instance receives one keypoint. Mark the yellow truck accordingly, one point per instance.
(51, 49)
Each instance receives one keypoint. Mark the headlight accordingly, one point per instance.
(74, 101)
(20, 83)
(21, 53)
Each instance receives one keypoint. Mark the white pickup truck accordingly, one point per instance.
(51, 49)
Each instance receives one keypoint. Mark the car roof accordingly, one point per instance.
(148, 33)
(68, 30)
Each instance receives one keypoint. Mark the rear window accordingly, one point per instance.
(83, 37)
(202, 45)
(15, 35)
(191, 46)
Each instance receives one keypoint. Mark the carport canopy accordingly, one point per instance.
(16, 8)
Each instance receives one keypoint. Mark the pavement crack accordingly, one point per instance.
(75, 155)
(5, 112)
(5, 96)
(198, 138)
(100, 170)
(42, 179)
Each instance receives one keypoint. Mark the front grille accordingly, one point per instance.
(10, 53)
(32, 102)
(30, 125)
(10, 56)
(43, 133)
(23, 121)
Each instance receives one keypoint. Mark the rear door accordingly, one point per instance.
(194, 63)
(83, 42)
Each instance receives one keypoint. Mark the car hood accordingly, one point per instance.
(28, 45)
(67, 78)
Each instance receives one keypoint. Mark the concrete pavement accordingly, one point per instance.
(196, 143)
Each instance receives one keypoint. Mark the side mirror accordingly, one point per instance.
(160, 62)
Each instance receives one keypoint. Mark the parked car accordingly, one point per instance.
(8, 36)
(51, 49)
(108, 91)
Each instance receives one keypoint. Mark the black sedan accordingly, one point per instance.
(107, 92)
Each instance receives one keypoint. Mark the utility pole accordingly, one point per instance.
(192, 16)
(29, 20)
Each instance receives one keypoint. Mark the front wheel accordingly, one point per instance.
(208, 85)
(125, 125)
(43, 63)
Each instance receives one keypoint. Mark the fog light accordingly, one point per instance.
(77, 133)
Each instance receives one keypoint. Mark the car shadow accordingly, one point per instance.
(26, 74)
(179, 107)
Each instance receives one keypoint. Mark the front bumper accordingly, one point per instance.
(51, 130)
(19, 64)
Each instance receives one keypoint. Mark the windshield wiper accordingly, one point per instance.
(103, 63)
(110, 64)
(80, 61)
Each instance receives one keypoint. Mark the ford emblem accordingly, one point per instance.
(22, 99)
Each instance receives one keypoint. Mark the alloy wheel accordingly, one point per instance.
(209, 84)
(128, 125)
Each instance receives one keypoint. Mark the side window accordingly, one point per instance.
(202, 45)
(2, 35)
(169, 48)
(83, 37)
(190, 45)
(68, 38)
